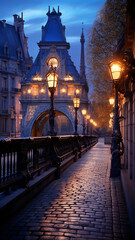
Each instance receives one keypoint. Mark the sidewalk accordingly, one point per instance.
(84, 204)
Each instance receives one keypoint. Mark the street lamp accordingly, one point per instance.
(87, 118)
(84, 111)
(52, 79)
(76, 102)
(115, 68)
(111, 101)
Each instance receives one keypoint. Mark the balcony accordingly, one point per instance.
(16, 90)
(4, 89)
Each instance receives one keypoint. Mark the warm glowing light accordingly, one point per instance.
(35, 90)
(29, 91)
(37, 78)
(53, 62)
(52, 79)
(77, 91)
(115, 70)
(63, 90)
(94, 124)
(42, 90)
(84, 111)
(111, 115)
(111, 100)
(24, 91)
(68, 78)
(110, 123)
(70, 90)
(76, 102)
(88, 116)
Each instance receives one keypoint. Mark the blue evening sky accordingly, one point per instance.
(74, 12)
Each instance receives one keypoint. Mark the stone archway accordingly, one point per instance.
(63, 124)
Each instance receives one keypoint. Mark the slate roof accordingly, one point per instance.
(10, 37)
(54, 31)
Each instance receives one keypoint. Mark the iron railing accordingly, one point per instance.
(22, 159)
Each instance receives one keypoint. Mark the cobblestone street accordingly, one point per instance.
(83, 204)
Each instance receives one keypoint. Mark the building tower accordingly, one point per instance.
(53, 50)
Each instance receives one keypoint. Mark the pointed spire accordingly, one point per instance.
(82, 27)
(48, 13)
(82, 60)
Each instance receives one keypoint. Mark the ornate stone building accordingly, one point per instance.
(14, 64)
(35, 98)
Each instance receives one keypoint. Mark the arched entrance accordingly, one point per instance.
(62, 124)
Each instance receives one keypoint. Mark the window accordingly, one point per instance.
(53, 62)
(12, 125)
(4, 83)
(35, 90)
(13, 101)
(37, 77)
(4, 125)
(70, 91)
(4, 65)
(12, 82)
(68, 78)
(4, 103)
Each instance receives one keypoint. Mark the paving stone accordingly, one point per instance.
(83, 204)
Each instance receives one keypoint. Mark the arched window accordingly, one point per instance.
(52, 61)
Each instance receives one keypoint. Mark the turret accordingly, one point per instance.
(54, 31)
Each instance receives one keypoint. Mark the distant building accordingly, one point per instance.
(35, 98)
(14, 64)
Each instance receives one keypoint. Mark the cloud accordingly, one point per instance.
(70, 15)
(30, 14)
(73, 39)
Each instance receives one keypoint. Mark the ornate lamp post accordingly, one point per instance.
(84, 111)
(116, 72)
(87, 118)
(76, 102)
(52, 79)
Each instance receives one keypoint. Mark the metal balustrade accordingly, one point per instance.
(24, 159)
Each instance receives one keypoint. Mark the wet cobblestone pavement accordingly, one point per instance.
(84, 204)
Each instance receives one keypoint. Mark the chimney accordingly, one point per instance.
(4, 22)
(15, 21)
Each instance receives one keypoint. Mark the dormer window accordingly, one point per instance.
(68, 78)
(6, 50)
(53, 61)
(37, 77)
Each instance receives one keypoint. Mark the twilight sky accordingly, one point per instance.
(74, 12)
